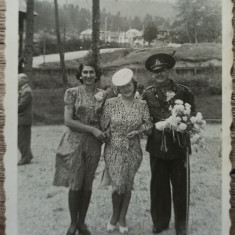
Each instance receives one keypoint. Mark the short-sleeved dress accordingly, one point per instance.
(78, 153)
(122, 155)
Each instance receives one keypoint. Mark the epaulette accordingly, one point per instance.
(185, 87)
(150, 87)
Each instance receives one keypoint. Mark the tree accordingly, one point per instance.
(28, 53)
(147, 20)
(136, 23)
(62, 64)
(199, 19)
(95, 29)
(150, 32)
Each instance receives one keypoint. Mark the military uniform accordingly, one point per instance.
(168, 159)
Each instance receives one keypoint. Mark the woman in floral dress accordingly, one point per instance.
(80, 147)
(124, 118)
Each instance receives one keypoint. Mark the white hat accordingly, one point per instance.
(122, 77)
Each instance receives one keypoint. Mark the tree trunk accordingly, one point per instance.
(61, 51)
(95, 30)
(28, 51)
(188, 32)
(195, 34)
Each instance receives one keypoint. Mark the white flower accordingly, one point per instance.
(196, 126)
(203, 123)
(169, 95)
(185, 118)
(199, 117)
(187, 105)
(178, 119)
(187, 112)
(195, 138)
(182, 127)
(99, 96)
(161, 125)
(179, 102)
(193, 119)
(179, 108)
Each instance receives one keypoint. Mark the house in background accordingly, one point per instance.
(131, 34)
(86, 35)
(111, 36)
(122, 38)
(163, 35)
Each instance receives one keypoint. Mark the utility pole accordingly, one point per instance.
(95, 30)
(61, 51)
(105, 28)
(28, 52)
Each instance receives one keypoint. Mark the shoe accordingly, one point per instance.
(71, 233)
(123, 230)
(110, 227)
(83, 229)
(159, 230)
(21, 162)
(181, 232)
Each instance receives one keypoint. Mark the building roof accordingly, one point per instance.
(134, 32)
(87, 31)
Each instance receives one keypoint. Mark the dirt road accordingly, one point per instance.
(43, 208)
(38, 60)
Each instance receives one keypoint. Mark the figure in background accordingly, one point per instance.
(124, 119)
(25, 119)
(168, 149)
(80, 148)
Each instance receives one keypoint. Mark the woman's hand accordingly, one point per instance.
(132, 134)
(107, 135)
(98, 134)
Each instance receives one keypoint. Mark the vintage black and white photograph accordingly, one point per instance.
(119, 117)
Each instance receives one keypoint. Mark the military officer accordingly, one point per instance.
(168, 150)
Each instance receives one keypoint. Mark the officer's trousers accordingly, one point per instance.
(169, 181)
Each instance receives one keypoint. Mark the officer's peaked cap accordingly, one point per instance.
(157, 62)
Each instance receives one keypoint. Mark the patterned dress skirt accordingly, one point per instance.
(123, 163)
(77, 159)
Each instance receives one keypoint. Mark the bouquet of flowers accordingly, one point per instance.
(182, 121)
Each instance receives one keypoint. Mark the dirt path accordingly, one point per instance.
(43, 208)
(38, 60)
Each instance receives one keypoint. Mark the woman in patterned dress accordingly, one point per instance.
(80, 147)
(124, 118)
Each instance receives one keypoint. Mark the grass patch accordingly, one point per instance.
(209, 106)
(187, 52)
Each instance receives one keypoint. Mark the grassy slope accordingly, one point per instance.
(187, 52)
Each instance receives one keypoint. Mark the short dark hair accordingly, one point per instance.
(134, 84)
(88, 63)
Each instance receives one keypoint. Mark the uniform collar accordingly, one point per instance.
(171, 86)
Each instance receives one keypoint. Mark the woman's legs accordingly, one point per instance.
(74, 202)
(117, 202)
(85, 201)
(126, 197)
